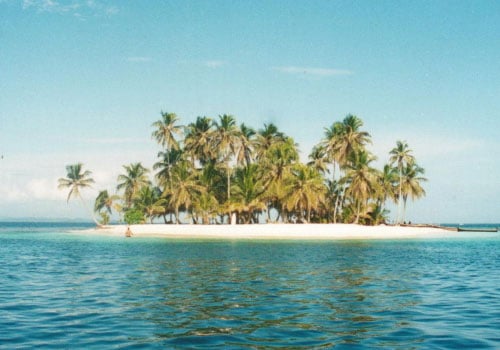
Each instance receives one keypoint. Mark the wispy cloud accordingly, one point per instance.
(315, 71)
(139, 59)
(77, 8)
(214, 64)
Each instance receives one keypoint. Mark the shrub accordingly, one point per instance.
(134, 216)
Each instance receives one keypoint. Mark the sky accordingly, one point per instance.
(83, 80)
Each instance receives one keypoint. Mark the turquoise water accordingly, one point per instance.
(60, 290)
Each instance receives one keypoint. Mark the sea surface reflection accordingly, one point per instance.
(95, 292)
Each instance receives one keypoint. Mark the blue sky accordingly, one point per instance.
(84, 80)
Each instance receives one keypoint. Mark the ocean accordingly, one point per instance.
(64, 290)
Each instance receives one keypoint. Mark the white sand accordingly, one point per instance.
(276, 231)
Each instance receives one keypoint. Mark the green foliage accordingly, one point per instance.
(213, 169)
(134, 216)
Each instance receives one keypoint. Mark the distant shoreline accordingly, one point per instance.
(276, 231)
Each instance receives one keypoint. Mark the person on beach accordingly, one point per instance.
(128, 233)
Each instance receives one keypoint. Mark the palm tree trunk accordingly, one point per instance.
(398, 221)
(90, 211)
(177, 215)
(335, 208)
(404, 209)
(228, 183)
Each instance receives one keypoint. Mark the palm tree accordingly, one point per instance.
(362, 180)
(318, 159)
(330, 145)
(131, 182)
(411, 186)
(104, 201)
(205, 205)
(150, 202)
(305, 190)
(351, 140)
(166, 130)
(168, 159)
(227, 137)
(76, 180)
(248, 189)
(185, 189)
(198, 142)
(247, 143)
(266, 137)
(388, 180)
(402, 156)
(164, 133)
(334, 195)
(276, 164)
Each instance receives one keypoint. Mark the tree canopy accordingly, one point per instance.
(213, 170)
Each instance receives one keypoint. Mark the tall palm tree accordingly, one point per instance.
(135, 177)
(330, 145)
(165, 131)
(227, 136)
(165, 134)
(402, 156)
(76, 180)
(351, 140)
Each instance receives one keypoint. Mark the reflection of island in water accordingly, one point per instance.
(278, 293)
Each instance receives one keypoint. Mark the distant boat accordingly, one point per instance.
(472, 229)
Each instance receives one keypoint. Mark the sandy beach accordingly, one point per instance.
(275, 231)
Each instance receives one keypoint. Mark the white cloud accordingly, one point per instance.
(315, 71)
(44, 188)
(428, 146)
(77, 8)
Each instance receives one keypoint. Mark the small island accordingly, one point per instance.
(213, 171)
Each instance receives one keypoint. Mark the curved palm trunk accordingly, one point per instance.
(90, 211)
(177, 221)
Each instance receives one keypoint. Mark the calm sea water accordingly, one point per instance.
(61, 290)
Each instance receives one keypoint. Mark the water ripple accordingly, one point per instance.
(59, 291)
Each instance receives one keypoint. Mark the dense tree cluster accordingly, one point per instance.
(216, 171)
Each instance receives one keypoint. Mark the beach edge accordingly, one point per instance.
(274, 231)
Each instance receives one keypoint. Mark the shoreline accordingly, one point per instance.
(275, 231)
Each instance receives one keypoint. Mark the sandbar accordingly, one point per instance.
(276, 231)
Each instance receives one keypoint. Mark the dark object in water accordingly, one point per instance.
(471, 229)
